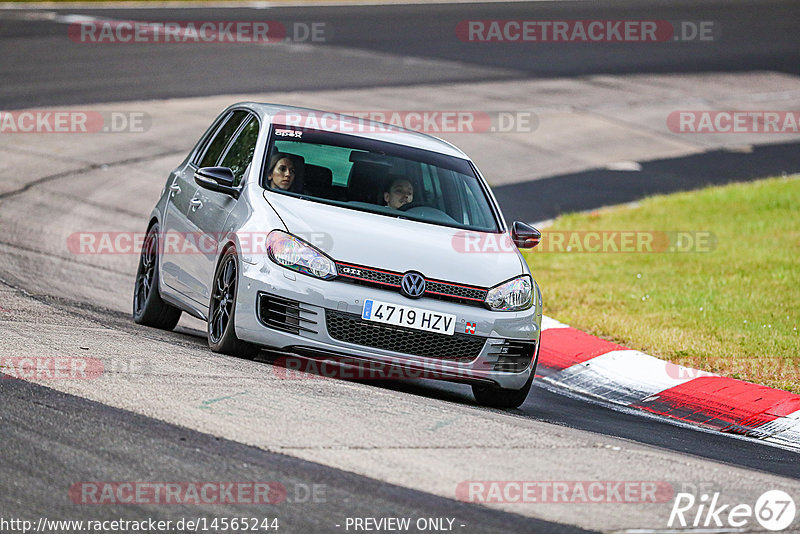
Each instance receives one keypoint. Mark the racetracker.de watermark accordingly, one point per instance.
(734, 122)
(771, 366)
(586, 31)
(50, 368)
(181, 242)
(99, 31)
(440, 121)
(73, 121)
(591, 241)
(465, 242)
(345, 368)
(564, 492)
(197, 492)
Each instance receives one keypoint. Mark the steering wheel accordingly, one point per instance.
(409, 206)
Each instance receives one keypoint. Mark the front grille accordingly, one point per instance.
(350, 328)
(438, 289)
(455, 290)
(365, 274)
(284, 314)
(513, 356)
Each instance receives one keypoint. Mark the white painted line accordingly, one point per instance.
(784, 430)
(623, 376)
(630, 166)
(559, 390)
(548, 323)
(301, 47)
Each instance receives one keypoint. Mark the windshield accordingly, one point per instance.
(377, 177)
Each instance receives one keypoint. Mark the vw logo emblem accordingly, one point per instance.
(413, 285)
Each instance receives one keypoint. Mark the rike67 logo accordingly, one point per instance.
(774, 510)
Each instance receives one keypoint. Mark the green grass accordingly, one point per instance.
(733, 310)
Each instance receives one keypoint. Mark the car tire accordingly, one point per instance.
(149, 308)
(222, 308)
(502, 398)
(506, 398)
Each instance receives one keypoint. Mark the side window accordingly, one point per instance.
(241, 151)
(221, 138)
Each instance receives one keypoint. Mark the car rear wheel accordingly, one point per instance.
(221, 333)
(148, 307)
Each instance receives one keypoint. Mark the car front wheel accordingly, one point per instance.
(502, 398)
(221, 333)
(506, 398)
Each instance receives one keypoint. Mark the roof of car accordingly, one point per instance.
(351, 125)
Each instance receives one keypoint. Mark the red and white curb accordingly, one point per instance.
(588, 365)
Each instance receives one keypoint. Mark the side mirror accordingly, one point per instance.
(219, 179)
(524, 235)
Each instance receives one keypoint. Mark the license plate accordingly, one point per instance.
(408, 316)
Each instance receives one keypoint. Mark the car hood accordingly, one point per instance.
(400, 245)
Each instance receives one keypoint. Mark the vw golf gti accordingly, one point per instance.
(336, 238)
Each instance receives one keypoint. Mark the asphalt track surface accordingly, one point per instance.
(43, 429)
(57, 438)
(40, 68)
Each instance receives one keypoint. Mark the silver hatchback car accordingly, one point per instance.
(339, 239)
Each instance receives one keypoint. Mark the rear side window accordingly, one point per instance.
(241, 151)
(221, 138)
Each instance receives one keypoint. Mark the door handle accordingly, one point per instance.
(175, 189)
(196, 203)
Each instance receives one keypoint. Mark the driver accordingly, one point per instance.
(398, 193)
(281, 172)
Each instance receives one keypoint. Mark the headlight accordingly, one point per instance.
(514, 295)
(291, 252)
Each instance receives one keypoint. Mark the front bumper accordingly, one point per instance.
(281, 309)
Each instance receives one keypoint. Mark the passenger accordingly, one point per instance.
(398, 193)
(281, 172)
